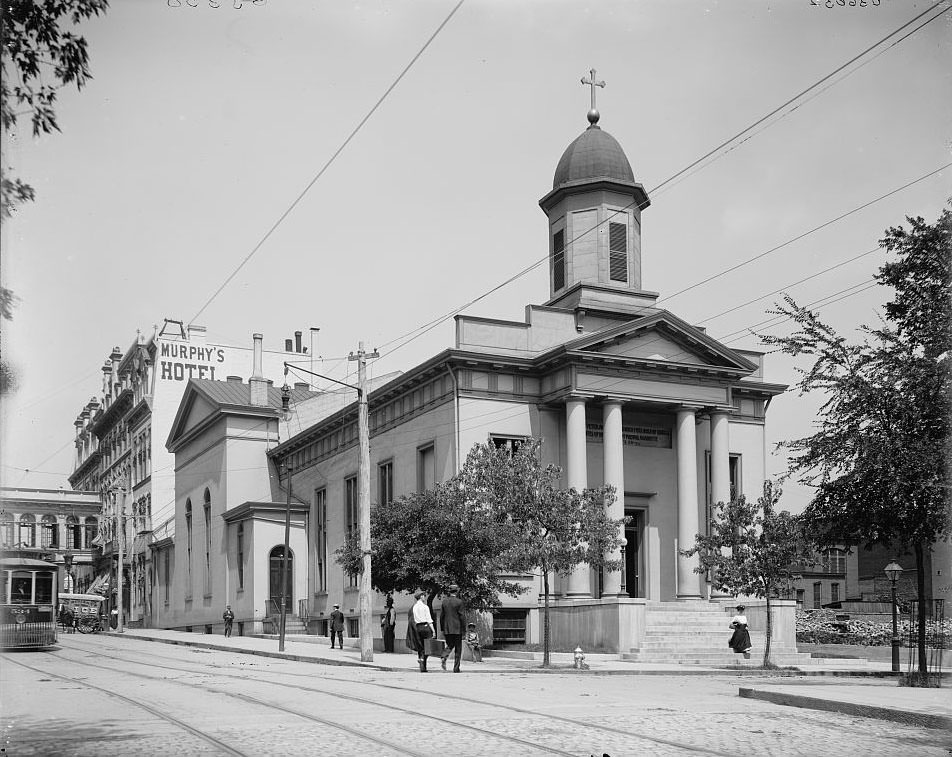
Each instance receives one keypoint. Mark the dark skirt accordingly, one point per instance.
(740, 640)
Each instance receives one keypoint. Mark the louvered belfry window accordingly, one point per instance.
(618, 252)
(558, 261)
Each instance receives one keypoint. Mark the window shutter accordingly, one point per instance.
(618, 252)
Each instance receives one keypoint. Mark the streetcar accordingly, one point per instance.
(85, 612)
(27, 603)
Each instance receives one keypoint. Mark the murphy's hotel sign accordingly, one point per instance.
(180, 361)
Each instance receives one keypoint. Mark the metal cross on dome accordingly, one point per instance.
(592, 82)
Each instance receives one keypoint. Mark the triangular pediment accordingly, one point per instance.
(662, 337)
(194, 411)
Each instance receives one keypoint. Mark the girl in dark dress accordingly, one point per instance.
(740, 640)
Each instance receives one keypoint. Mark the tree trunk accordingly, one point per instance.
(545, 618)
(769, 632)
(921, 619)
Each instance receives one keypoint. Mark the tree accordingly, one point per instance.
(555, 529)
(37, 57)
(879, 458)
(753, 549)
(432, 539)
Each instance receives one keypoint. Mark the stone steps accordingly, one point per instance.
(696, 633)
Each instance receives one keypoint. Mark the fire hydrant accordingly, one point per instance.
(579, 659)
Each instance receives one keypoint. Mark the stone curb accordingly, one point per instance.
(907, 717)
(684, 670)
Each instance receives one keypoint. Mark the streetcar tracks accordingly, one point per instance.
(137, 703)
(451, 697)
(308, 716)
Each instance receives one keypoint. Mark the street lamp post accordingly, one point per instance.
(624, 571)
(893, 571)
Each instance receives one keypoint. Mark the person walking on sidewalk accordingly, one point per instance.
(229, 617)
(740, 639)
(337, 626)
(453, 624)
(388, 624)
(420, 628)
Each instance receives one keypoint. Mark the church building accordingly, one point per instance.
(620, 391)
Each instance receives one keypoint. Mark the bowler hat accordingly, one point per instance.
(453, 588)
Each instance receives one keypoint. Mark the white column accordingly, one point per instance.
(720, 459)
(576, 470)
(614, 475)
(689, 582)
(720, 469)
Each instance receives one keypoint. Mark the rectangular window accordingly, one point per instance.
(385, 483)
(351, 517)
(618, 252)
(241, 555)
(817, 600)
(800, 593)
(558, 260)
(510, 443)
(834, 592)
(353, 627)
(48, 535)
(509, 627)
(168, 573)
(426, 468)
(320, 540)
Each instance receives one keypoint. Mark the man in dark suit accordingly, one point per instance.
(337, 627)
(453, 623)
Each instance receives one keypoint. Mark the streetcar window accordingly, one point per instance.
(21, 588)
(4, 585)
(44, 588)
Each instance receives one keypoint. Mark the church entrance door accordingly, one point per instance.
(635, 577)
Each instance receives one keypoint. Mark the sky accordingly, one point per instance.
(203, 125)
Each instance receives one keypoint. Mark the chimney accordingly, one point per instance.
(257, 385)
(297, 341)
(302, 386)
(288, 345)
(106, 370)
(196, 333)
(115, 357)
(234, 380)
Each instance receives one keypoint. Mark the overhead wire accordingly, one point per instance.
(419, 331)
(329, 162)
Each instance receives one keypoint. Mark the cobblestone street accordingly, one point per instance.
(115, 696)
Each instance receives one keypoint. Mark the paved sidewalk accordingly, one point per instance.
(870, 692)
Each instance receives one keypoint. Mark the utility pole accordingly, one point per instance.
(120, 538)
(363, 504)
(284, 564)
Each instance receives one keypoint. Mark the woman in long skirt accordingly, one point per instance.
(740, 640)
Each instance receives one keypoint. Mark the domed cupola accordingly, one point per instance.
(594, 212)
(594, 155)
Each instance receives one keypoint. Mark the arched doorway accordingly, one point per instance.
(275, 566)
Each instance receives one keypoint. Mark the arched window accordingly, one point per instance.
(276, 565)
(6, 529)
(207, 508)
(27, 535)
(49, 533)
(92, 530)
(188, 546)
(74, 533)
